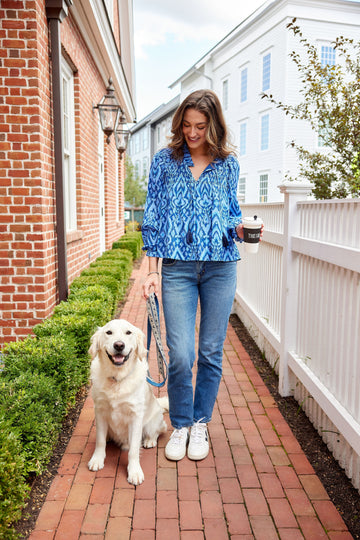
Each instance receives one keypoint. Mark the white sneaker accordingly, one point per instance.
(176, 446)
(199, 441)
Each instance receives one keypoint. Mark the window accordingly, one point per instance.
(145, 167)
(243, 85)
(264, 182)
(266, 72)
(68, 113)
(145, 138)
(158, 134)
(137, 142)
(137, 169)
(328, 56)
(242, 146)
(225, 94)
(264, 132)
(241, 188)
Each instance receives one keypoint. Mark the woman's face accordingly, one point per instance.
(194, 129)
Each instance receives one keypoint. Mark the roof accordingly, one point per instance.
(157, 114)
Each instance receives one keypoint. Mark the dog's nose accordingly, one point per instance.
(119, 346)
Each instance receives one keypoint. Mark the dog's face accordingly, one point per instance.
(118, 341)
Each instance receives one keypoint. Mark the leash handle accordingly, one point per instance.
(153, 326)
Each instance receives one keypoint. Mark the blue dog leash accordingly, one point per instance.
(153, 326)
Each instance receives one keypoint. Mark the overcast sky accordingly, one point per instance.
(171, 35)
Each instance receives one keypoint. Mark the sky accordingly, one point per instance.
(171, 35)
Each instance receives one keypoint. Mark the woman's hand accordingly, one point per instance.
(151, 284)
(240, 232)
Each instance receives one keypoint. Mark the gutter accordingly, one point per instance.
(56, 11)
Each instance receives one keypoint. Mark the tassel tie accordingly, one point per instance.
(189, 237)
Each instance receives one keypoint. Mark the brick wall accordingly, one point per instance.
(28, 272)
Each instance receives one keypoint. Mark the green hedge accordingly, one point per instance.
(131, 241)
(13, 486)
(41, 375)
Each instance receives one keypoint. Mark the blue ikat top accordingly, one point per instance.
(188, 219)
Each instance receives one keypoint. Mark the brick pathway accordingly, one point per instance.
(255, 483)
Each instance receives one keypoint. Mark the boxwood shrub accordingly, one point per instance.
(35, 410)
(41, 375)
(13, 485)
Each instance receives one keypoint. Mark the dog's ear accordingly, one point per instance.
(140, 347)
(95, 343)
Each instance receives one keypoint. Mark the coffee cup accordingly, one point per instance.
(252, 231)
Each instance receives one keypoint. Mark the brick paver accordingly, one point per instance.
(256, 482)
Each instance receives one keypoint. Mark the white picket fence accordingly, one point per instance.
(299, 297)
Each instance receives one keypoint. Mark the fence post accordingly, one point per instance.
(294, 192)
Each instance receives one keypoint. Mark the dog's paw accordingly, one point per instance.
(149, 443)
(135, 475)
(96, 463)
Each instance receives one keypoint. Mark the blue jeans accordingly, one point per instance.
(183, 284)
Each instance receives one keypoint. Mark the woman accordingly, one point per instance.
(190, 221)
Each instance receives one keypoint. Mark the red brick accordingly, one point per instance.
(211, 504)
(238, 521)
(190, 515)
(188, 488)
(263, 528)
(311, 528)
(102, 491)
(117, 528)
(122, 504)
(144, 514)
(95, 519)
(282, 514)
(50, 515)
(313, 487)
(167, 504)
(167, 529)
(215, 529)
(230, 490)
(78, 497)
(329, 516)
(70, 524)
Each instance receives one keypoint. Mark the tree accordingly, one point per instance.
(331, 104)
(134, 191)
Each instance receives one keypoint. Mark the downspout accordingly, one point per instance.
(56, 11)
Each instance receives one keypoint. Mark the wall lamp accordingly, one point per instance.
(112, 119)
(122, 135)
(109, 111)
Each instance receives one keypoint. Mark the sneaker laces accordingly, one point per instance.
(178, 435)
(198, 430)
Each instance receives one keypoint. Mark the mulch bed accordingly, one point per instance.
(339, 488)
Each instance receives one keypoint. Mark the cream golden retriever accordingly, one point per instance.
(126, 410)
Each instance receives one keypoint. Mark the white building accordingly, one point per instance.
(150, 135)
(254, 58)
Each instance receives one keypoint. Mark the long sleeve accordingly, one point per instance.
(234, 208)
(151, 220)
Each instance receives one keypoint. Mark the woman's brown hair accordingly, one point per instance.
(206, 102)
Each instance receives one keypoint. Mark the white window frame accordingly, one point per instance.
(266, 72)
(69, 157)
(243, 142)
(264, 134)
(241, 188)
(244, 74)
(263, 187)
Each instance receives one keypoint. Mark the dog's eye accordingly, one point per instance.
(128, 332)
(109, 332)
